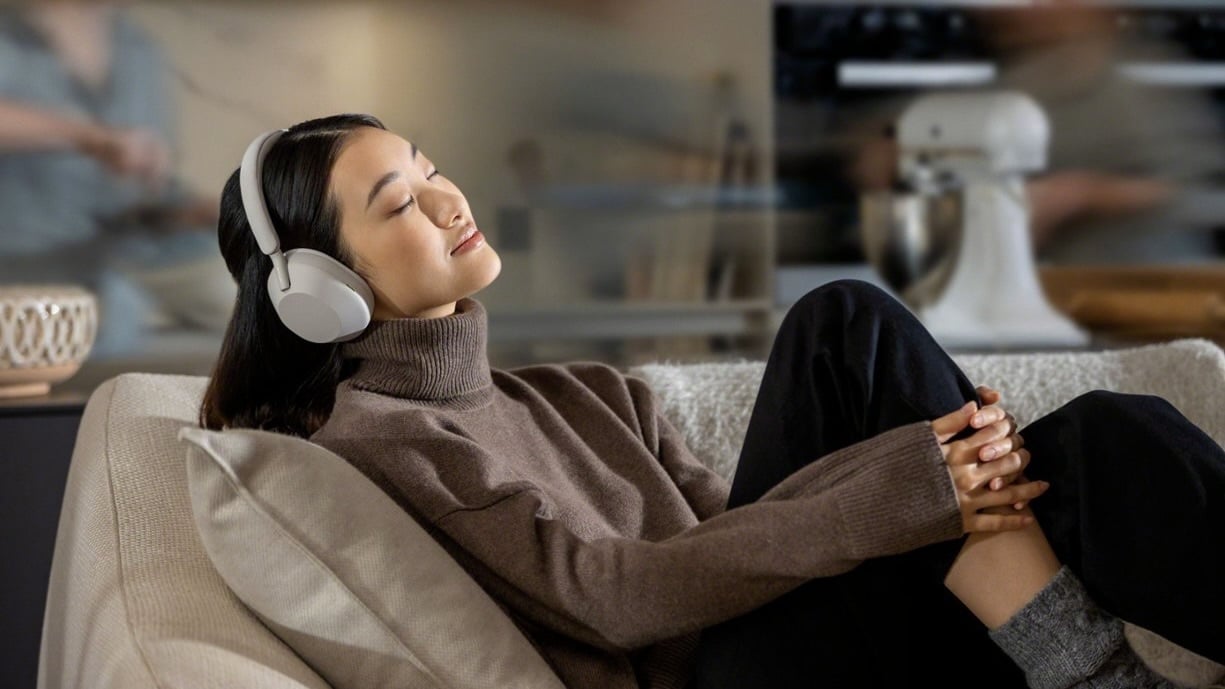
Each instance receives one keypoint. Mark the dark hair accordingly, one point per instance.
(265, 376)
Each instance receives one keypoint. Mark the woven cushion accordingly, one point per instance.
(342, 574)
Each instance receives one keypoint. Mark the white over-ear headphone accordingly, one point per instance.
(317, 297)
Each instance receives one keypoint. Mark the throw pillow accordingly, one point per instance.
(337, 570)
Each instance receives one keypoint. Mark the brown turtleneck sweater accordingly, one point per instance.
(565, 492)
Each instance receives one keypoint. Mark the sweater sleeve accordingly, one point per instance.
(883, 496)
(704, 489)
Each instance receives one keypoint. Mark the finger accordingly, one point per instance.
(1010, 495)
(985, 435)
(988, 415)
(987, 473)
(997, 475)
(1020, 505)
(953, 423)
(1011, 477)
(987, 394)
(997, 522)
(1000, 482)
(965, 452)
(1006, 510)
(1000, 448)
(1025, 457)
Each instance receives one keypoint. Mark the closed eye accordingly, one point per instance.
(412, 200)
(407, 204)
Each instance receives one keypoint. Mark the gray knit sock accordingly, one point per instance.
(1061, 640)
(1125, 670)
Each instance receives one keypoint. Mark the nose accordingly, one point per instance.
(444, 207)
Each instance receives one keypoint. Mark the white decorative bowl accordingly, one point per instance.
(46, 332)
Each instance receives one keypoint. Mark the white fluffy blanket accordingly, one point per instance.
(710, 403)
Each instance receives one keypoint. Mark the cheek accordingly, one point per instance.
(412, 262)
(386, 251)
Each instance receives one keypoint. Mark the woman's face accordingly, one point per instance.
(409, 228)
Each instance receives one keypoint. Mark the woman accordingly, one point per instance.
(879, 522)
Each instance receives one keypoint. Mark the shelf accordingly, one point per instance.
(875, 75)
(1199, 75)
(626, 320)
(857, 74)
(55, 402)
(654, 197)
(940, 4)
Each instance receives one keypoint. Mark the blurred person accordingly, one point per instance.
(86, 164)
(1131, 168)
(1130, 164)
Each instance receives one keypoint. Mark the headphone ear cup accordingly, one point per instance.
(326, 302)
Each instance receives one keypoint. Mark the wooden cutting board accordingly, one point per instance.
(1157, 302)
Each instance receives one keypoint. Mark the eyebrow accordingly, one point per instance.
(378, 186)
(384, 181)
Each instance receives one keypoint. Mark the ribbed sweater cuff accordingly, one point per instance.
(903, 495)
(1060, 638)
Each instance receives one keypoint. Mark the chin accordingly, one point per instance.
(488, 271)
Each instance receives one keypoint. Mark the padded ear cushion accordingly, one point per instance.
(326, 302)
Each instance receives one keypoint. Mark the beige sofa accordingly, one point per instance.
(135, 602)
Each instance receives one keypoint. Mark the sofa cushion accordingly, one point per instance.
(342, 574)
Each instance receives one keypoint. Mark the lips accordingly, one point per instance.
(469, 233)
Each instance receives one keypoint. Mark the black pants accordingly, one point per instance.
(1136, 509)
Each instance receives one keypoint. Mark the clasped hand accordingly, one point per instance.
(987, 467)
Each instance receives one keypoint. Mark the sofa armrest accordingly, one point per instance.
(133, 601)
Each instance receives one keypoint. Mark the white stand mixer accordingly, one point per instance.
(983, 144)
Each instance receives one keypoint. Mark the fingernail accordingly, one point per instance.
(990, 453)
(1018, 506)
(978, 419)
(1028, 520)
(1044, 484)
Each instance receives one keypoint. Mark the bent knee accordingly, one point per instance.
(845, 306)
(1104, 404)
(849, 294)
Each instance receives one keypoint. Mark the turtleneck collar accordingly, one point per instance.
(429, 359)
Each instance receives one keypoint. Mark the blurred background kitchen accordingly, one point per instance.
(662, 178)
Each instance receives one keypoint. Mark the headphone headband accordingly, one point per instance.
(251, 183)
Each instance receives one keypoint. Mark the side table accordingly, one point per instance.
(37, 435)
